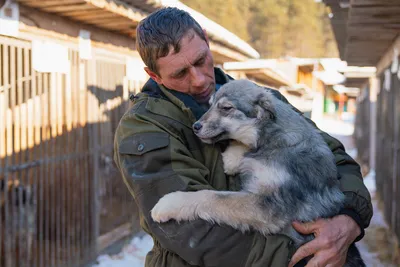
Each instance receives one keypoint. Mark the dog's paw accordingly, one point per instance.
(232, 157)
(230, 170)
(172, 206)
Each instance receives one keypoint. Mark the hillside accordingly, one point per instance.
(275, 27)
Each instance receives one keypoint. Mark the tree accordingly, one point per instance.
(275, 28)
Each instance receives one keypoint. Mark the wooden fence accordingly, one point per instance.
(60, 191)
(362, 126)
(387, 157)
(388, 148)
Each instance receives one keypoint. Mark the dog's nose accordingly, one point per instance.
(197, 126)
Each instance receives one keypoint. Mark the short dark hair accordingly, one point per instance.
(160, 31)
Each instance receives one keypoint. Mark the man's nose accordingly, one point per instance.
(197, 126)
(198, 78)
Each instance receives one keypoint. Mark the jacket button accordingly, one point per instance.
(140, 147)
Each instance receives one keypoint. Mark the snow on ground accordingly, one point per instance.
(376, 247)
(132, 255)
(335, 127)
(372, 258)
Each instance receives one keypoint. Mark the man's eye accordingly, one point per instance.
(200, 62)
(180, 74)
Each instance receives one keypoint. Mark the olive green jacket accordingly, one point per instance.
(157, 153)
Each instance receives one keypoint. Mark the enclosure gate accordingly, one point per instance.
(59, 189)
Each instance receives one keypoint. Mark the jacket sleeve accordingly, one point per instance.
(154, 163)
(358, 199)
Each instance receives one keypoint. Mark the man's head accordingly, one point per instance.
(176, 52)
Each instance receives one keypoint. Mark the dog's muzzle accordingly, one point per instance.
(197, 127)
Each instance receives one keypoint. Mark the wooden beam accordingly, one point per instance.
(66, 8)
(92, 15)
(107, 21)
(84, 12)
(366, 40)
(368, 29)
(128, 31)
(386, 59)
(375, 15)
(226, 53)
(120, 8)
(44, 3)
(331, 2)
(113, 236)
(374, 2)
(116, 25)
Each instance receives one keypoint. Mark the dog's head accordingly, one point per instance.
(235, 111)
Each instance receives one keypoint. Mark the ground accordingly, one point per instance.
(375, 247)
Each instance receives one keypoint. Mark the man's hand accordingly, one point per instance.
(332, 240)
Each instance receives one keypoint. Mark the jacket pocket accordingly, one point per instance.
(139, 144)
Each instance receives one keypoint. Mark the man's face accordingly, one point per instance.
(191, 71)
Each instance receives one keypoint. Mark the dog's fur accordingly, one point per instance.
(287, 171)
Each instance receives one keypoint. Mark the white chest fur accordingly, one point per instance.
(264, 176)
(233, 156)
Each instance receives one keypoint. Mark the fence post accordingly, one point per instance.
(94, 145)
(396, 116)
(374, 87)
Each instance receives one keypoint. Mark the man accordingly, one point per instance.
(157, 153)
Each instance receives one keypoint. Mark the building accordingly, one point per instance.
(368, 34)
(269, 73)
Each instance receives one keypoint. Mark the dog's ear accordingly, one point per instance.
(266, 108)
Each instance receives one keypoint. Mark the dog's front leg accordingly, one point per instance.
(232, 157)
(240, 210)
(180, 206)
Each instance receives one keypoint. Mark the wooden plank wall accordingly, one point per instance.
(362, 126)
(59, 187)
(388, 148)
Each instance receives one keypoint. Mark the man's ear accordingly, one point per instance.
(153, 75)
(266, 107)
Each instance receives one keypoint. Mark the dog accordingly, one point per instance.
(287, 171)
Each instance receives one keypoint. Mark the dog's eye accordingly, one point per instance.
(224, 107)
(227, 108)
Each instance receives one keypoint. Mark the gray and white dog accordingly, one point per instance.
(287, 171)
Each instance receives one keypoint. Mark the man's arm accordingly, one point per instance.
(153, 163)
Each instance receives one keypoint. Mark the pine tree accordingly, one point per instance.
(274, 28)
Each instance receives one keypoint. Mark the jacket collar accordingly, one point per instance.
(184, 101)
